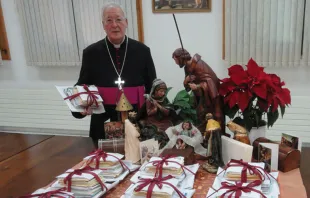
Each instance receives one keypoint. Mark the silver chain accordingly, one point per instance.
(119, 74)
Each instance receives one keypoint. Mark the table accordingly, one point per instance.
(29, 162)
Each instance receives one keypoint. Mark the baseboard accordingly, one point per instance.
(41, 131)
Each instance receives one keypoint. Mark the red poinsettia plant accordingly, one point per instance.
(251, 92)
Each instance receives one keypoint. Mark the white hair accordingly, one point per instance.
(109, 5)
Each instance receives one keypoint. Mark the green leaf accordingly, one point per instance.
(282, 110)
(181, 95)
(248, 123)
(230, 112)
(192, 100)
(272, 117)
(182, 104)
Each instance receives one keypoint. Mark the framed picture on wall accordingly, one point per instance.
(172, 6)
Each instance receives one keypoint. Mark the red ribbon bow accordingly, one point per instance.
(237, 189)
(160, 163)
(49, 194)
(257, 170)
(87, 170)
(100, 154)
(91, 96)
(159, 181)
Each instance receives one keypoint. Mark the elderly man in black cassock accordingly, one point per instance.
(113, 63)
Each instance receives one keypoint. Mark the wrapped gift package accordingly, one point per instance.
(289, 158)
(84, 97)
(187, 153)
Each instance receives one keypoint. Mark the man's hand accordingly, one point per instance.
(89, 111)
(193, 86)
(189, 78)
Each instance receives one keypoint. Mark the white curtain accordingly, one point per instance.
(56, 31)
(306, 41)
(269, 31)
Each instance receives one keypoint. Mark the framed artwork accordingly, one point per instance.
(173, 6)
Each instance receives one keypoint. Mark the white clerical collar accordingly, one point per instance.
(117, 45)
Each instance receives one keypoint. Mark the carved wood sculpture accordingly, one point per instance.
(241, 134)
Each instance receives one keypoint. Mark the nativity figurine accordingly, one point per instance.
(185, 135)
(202, 80)
(156, 114)
(213, 142)
(132, 142)
(240, 132)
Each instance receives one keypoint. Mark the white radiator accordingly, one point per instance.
(40, 112)
(44, 112)
(296, 120)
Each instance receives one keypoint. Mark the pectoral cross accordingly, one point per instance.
(119, 82)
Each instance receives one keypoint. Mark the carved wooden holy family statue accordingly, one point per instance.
(202, 80)
(157, 114)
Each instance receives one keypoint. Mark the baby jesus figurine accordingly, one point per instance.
(186, 131)
(184, 135)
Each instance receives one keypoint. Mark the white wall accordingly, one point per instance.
(201, 33)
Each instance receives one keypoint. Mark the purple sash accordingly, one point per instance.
(111, 95)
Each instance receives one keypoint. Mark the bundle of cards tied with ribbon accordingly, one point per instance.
(82, 98)
(112, 166)
(49, 193)
(84, 182)
(242, 179)
(163, 177)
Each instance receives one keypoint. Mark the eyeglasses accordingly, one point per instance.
(117, 20)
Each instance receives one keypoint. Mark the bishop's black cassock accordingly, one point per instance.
(97, 69)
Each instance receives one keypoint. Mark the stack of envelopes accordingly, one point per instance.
(167, 191)
(173, 166)
(84, 98)
(84, 185)
(111, 166)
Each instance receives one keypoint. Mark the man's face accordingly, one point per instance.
(114, 24)
(178, 62)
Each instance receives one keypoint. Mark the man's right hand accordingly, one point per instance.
(189, 78)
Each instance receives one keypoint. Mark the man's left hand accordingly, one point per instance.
(193, 86)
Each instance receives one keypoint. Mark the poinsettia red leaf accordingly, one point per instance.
(235, 69)
(226, 88)
(227, 98)
(275, 79)
(225, 80)
(240, 78)
(275, 104)
(244, 99)
(234, 99)
(260, 90)
(286, 95)
(253, 68)
(263, 104)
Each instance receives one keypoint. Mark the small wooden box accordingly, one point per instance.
(289, 158)
(187, 153)
(112, 145)
(114, 130)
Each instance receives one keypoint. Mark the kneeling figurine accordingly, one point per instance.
(214, 145)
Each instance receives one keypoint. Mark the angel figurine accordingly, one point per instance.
(183, 135)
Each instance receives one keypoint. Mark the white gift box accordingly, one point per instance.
(64, 194)
(73, 106)
(272, 192)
